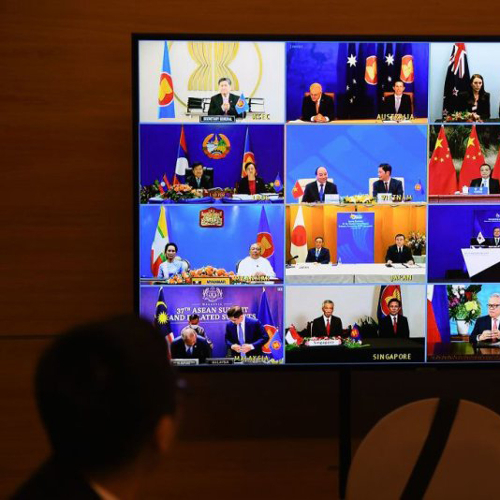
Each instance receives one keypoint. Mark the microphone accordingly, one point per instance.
(289, 261)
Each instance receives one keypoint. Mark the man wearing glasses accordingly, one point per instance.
(486, 328)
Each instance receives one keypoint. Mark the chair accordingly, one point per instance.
(186, 266)
(385, 459)
(371, 180)
(238, 265)
(303, 183)
(387, 94)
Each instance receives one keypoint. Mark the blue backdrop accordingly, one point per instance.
(219, 247)
(159, 145)
(326, 63)
(355, 237)
(352, 154)
(450, 229)
(182, 301)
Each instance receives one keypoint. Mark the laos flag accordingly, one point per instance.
(166, 107)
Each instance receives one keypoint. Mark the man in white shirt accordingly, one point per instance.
(255, 265)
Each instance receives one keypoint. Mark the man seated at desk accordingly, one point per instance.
(255, 264)
(194, 323)
(190, 346)
(485, 180)
(319, 254)
(327, 325)
(315, 191)
(397, 103)
(245, 336)
(386, 184)
(394, 325)
(317, 107)
(224, 103)
(486, 327)
(399, 253)
(495, 241)
(198, 180)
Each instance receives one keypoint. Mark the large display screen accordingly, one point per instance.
(318, 202)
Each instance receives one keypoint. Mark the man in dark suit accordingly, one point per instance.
(486, 328)
(190, 346)
(198, 180)
(398, 103)
(315, 191)
(399, 253)
(495, 241)
(493, 185)
(245, 336)
(106, 396)
(317, 107)
(326, 325)
(386, 184)
(319, 254)
(394, 325)
(224, 103)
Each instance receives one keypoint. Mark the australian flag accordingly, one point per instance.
(457, 79)
(274, 347)
(389, 70)
(352, 82)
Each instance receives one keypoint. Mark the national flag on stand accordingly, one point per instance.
(160, 240)
(182, 162)
(438, 316)
(457, 79)
(292, 337)
(473, 160)
(164, 185)
(388, 73)
(278, 185)
(387, 293)
(242, 105)
(166, 108)
(496, 169)
(371, 80)
(298, 238)
(442, 174)
(274, 346)
(352, 83)
(161, 320)
(355, 333)
(265, 239)
(247, 154)
(297, 190)
(478, 232)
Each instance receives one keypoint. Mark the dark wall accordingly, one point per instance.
(66, 204)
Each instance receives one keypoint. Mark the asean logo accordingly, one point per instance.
(216, 146)
(212, 294)
(354, 334)
(166, 91)
(265, 241)
(407, 74)
(418, 187)
(276, 344)
(371, 70)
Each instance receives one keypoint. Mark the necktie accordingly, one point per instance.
(241, 338)
(496, 241)
(386, 187)
(495, 326)
(321, 193)
(328, 327)
(398, 103)
(395, 325)
(317, 253)
(317, 106)
(198, 181)
(190, 351)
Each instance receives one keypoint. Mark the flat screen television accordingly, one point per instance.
(305, 201)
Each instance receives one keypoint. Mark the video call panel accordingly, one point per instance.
(319, 202)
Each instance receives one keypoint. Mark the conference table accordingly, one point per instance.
(374, 350)
(465, 198)
(354, 273)
(369, 121)
(482, 263)
(462, 351)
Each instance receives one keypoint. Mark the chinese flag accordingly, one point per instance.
(442, 175)
(473, 159)
(297, 190)
(496, 169)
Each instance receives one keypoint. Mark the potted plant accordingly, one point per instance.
(463, 305)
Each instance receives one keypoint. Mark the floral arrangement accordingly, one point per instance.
(463, 303)
(358, 198)
(270, 188)
(416, 242)
(461, 116)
